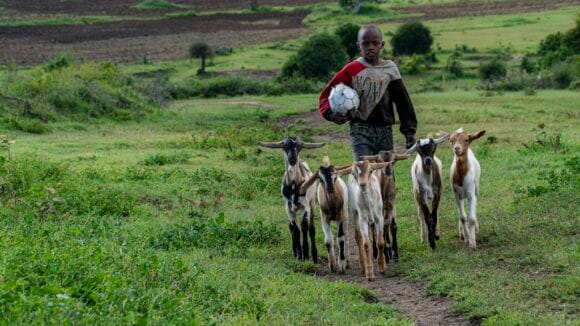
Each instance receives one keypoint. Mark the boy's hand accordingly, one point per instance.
(410, 141)
(338, 118)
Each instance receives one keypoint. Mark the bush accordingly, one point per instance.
(492, 70)
(318, 58)
(562, 75)
(453, 65)
(348, 34)
(412, 38)
(413, 65)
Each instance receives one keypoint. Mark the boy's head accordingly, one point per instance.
(370, 42)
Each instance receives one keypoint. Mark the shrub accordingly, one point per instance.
(413, 65)
(562, 75)
(453, 65)
(492, 70)
(412, 38)
(571, 39)
(318, 58)
(348, 34)
(59, 62)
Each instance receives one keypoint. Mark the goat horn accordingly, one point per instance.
(271, 144)
(441, 139)
(344, 171)
(308, 183)
(338, 168)
(441, 133)
(312, 145)
(411, 150)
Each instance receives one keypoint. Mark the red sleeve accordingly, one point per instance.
(344, 76)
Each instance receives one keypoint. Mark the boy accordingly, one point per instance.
(378, 84)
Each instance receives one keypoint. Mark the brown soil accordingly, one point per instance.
(482, 8)
(125, 8)
(129, 41)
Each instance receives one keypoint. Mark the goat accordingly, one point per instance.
(465, 172)
(296, 172)
(364, 195)
(426, 175)
(386, 178)
(333, 199)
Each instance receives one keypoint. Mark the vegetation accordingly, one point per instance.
(157, 5)
(411, 38)
(202, 51)
(319, 57)
(348, 34)
(492, 70)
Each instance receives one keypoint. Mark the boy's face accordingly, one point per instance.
(370, 44)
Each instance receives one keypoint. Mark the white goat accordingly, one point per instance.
(366, 205)
(465, 172)
(426, 175)
(333, 199)
(386, 178)
(297, 172)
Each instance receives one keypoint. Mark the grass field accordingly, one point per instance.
(127, 220)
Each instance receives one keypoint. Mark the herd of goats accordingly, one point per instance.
(369, 198)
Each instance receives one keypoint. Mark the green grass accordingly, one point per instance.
(157, 5)
(117, 222)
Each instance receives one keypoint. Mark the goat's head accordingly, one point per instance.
(426, 149)
(291, 147)
(460, 140)
(361, 172)
(386, 156)
(327, 174)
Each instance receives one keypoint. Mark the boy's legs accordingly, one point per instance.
(384, 140)
(363, 138)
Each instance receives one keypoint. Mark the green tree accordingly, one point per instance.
(412, 38)
(348, 34)
(318, 58)
(492, 70)
(202, 51)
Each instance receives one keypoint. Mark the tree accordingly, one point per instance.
(348, 34)
(318, 58)
(200, 50)
(412, 38)
(492, 70)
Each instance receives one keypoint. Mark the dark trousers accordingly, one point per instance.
(369, 139)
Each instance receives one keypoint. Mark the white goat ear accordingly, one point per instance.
(441, 139)
(312, 145)
(279, 144)
(477, 135)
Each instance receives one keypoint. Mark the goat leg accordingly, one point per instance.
(304, 225)
(395, 245)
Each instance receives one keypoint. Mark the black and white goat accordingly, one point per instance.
(332, 197)
(386, 178)
(427, 186)
(297, 172)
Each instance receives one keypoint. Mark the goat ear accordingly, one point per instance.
(441, 139)
(312, 145)
(271, 144)
(370, 158)
(477, 135)
(344, 172)
(308, 183)
(401, 157)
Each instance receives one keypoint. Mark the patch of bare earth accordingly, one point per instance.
(484, 8)
(408, 297)
(130, 41)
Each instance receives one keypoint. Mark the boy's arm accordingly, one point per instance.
(343, 76)
(400, 96)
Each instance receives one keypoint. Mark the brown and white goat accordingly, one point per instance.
(386, 178)
(427, 186)
(465, 173)
(366, 205)
(296, 173)
(332, 197)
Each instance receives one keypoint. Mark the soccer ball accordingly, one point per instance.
(343, 99)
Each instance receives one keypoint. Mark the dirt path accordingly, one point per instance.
(409, 298)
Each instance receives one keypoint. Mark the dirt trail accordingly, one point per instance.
(409, 298)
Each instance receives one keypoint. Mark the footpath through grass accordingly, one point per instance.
(178, 218)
